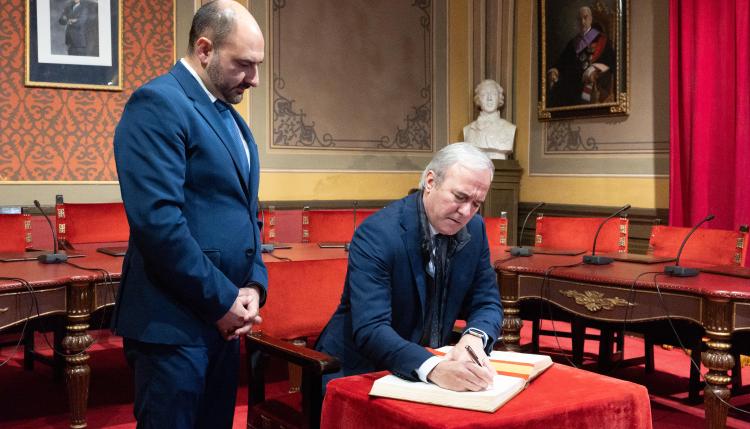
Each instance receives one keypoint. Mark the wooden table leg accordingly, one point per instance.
(75, 344)
(718, 360)
(512, 323)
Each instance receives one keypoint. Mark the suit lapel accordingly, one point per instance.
(460, 277)
(413, 242)
(203, 105)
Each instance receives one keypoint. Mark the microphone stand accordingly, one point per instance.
(676, 270)
(521, 250)
(54, 257)
(593, 258)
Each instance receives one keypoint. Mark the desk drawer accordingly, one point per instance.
(19, 306)
(609, 303)
(105, 294)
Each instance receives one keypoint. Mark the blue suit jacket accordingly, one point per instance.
(379, 321)
(194, 237)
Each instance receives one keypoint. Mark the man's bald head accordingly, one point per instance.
(217, 20)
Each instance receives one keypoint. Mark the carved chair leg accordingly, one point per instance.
(256, 369)
(28, 347)
(312, 399)
(604, 362)
(295, 371)
(578, 338)
(648, 351)
(737, 373)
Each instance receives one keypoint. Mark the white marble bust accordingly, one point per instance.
(490, 133)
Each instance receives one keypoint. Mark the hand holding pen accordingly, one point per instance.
(474, 356)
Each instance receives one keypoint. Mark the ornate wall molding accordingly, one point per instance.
(353, 68)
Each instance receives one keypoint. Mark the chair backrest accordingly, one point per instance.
(15, 232)
(497, 230)
(708, 246)
(281, 226)
(304, 302)
(579, 232)
(331, 225)
(91, 222)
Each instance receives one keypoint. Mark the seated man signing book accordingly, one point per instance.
(414, 268)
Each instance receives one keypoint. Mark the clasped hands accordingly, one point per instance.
(459, 372)
(241, 316)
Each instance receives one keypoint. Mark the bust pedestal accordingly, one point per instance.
(504, 194)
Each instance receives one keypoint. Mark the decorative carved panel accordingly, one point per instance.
(353, 75)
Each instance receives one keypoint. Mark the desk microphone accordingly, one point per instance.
(264, 247)
(54, 257)
(676, 270)
(593, 258)
(520, 250)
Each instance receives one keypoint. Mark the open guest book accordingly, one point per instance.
(514, 372)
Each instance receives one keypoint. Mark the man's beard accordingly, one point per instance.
(216, 76)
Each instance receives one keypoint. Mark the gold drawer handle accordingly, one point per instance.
(4, 309)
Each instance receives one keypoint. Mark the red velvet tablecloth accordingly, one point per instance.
(562, 397)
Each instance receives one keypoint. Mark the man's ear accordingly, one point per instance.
(429, 181)
(204, 48)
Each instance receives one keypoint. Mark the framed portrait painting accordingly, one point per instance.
(74, 44)
(583, 58)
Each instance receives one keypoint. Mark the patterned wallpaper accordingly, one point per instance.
(49, 134)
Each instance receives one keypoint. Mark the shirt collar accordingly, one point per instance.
(200, 82)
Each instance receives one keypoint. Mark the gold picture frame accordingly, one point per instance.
(74, 44)
(584, 58)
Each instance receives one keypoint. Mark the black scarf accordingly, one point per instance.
(436, 255)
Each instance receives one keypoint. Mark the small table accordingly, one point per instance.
(560, 397)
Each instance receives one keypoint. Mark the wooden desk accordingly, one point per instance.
(63, 289)
(66, 290)
(561, 397)
(720, 304)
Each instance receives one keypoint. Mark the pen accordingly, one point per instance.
(473, 355)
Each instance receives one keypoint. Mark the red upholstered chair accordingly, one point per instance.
(333, 225)
(704, 248)
(297, 310)
(281, 226)
(15, 232)
(497, 230)
(91, 223)
(577, 233)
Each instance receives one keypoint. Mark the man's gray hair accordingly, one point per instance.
(214, 21)
(465, 154)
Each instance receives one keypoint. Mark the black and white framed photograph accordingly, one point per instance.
(74, 44)
(583, 58)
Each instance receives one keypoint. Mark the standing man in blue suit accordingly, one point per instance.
(414, 268)
(193, 278)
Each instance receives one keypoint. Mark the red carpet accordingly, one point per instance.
(31, 399)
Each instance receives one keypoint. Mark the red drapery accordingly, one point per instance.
(710, 112)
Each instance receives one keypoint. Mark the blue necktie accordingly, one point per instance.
(234, 131)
